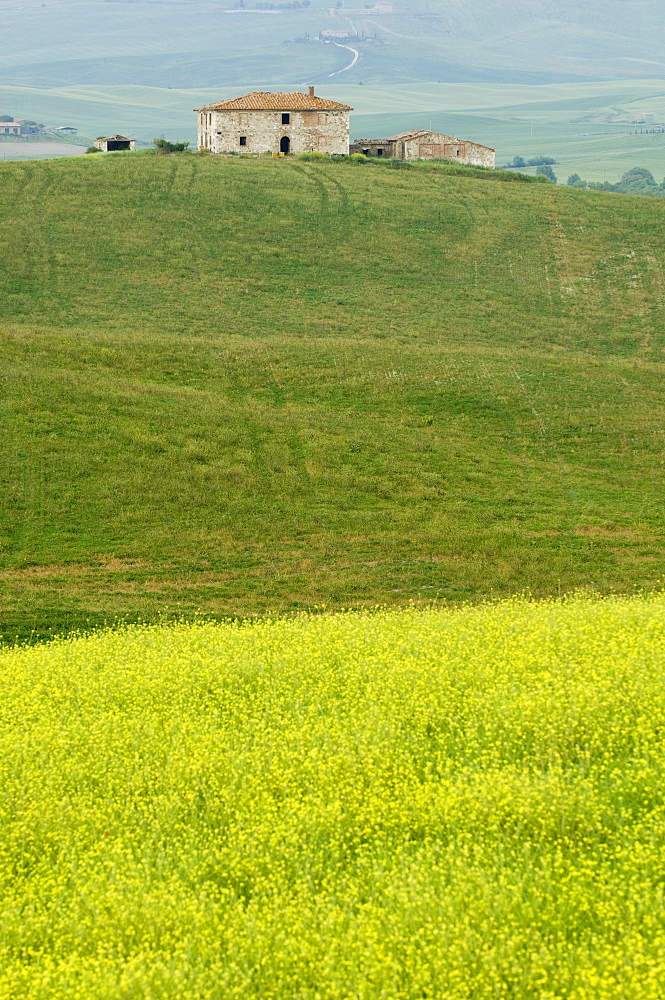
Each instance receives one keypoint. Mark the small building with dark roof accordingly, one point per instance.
(274, 123)
(112, 143)
(421, 144)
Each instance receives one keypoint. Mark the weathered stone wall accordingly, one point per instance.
(428, 146)
(432, 145)
(263, 131)
(374, 147)
(108, 145)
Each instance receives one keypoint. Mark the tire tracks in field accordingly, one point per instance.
(38, 259)
(318, 177)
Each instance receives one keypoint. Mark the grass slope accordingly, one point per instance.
(457, 804)
(246, 386)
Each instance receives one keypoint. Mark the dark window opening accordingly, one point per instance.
(114, 144)
(379, 152)
(284, 144)
(286, 118)
(365, 152)
(243, 140)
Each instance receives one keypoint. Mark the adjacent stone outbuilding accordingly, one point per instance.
(110, 143)
(274, 123)
(421, 144)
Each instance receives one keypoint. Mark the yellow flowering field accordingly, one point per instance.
(456, 805)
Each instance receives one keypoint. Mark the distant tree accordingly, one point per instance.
(573, 180)
(6, 118)
(517, 161)
(638, 176)
(537, 161)
(546, 171)
(164, 146)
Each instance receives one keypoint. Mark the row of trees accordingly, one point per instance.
(541, 162)
(535, 161)
(637, 180)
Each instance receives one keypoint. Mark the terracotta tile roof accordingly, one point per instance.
(259, 101)
(416, 132)
(411, 134)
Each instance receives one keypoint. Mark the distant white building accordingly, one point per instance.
(61, 129)
(10, 128)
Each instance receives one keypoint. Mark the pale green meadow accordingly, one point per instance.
(409, 804)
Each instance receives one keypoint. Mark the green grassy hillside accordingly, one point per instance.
(246, 386)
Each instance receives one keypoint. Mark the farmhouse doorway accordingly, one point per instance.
(284, 144)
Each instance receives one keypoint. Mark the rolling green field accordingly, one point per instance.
(242, 387)
(461, 804)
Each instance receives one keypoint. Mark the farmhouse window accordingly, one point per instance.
(243, 140)
(379, 152)
(286, 118)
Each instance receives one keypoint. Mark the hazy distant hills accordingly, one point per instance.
(201, 43)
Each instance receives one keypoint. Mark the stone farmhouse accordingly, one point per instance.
(421, 144)
(275, 123)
